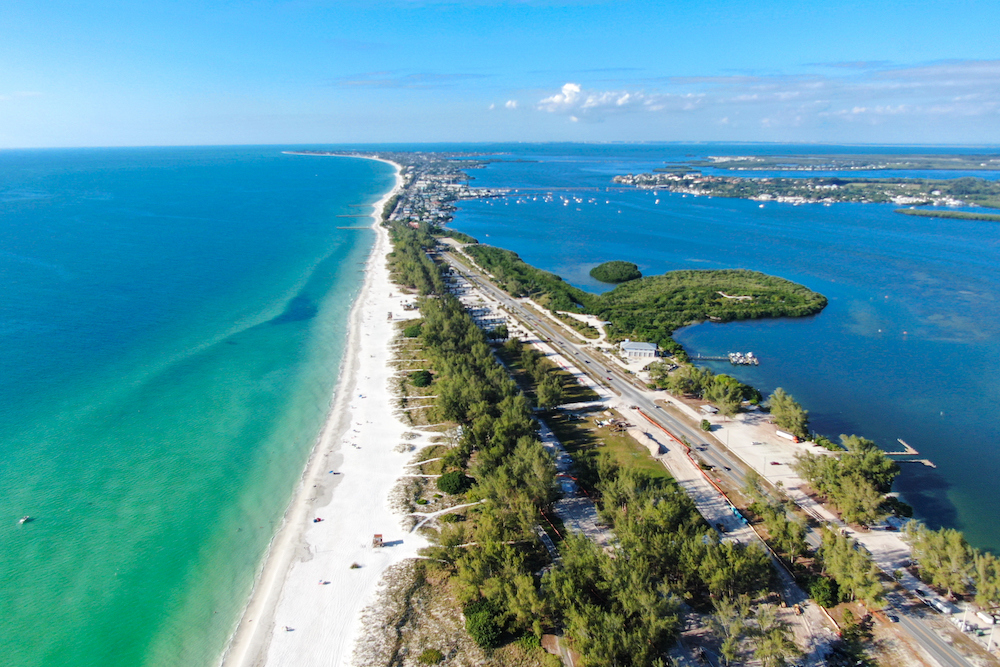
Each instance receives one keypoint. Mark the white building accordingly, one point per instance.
(633, 350)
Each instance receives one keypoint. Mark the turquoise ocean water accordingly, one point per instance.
(909, 346)
(172, 323)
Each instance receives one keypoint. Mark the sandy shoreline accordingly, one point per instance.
(307, 583)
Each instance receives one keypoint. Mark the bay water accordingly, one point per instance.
(172, 322)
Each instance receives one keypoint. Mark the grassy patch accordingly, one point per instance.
(587, 442)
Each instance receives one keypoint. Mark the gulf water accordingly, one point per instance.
(172, 323)
(909, 346)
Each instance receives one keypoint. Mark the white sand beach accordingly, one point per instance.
(306, 606)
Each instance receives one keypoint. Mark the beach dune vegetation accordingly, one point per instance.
(420, 378)
(453, 482)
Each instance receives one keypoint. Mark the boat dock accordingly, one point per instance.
(735, 358)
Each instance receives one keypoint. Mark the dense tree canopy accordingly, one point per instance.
(856, 481)
(944, 557)
(855, 572)
(788, 414)
(615, 271)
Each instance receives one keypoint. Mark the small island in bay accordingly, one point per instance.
(615, 271)
(954, 215)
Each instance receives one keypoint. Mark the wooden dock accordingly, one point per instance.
(907, 450)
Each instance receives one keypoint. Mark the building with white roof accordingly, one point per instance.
(634, 350)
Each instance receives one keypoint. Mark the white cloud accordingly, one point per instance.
(511, 104)
(564, 100)
(915, 98)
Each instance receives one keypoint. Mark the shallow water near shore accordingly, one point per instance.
(173, 322)
(908, 347)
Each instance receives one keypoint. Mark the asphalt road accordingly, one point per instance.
(724, 463)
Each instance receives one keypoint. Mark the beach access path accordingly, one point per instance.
(318, 577)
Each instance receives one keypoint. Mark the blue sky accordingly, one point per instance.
(100, 73)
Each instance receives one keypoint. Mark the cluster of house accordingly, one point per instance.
(429, 199)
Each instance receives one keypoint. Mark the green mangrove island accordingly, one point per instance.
(615, 271)
(954, 215)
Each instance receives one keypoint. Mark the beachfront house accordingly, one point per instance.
(633, 350)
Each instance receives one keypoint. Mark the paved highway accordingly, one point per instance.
(725, 464)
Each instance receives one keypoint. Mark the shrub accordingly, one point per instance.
(481, 624)
(824, 591)
(706, 425)
(430, 656)
(420, 378)
(453, 482)
(825, 442)
(412, 330)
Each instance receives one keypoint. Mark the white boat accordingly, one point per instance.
(24, 519)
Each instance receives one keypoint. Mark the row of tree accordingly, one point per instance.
(409, 263)
(491, 556)
(547, 384)
(723, 391)
(946, 560)
(856, 481)
(852, 568)
(620, 609)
